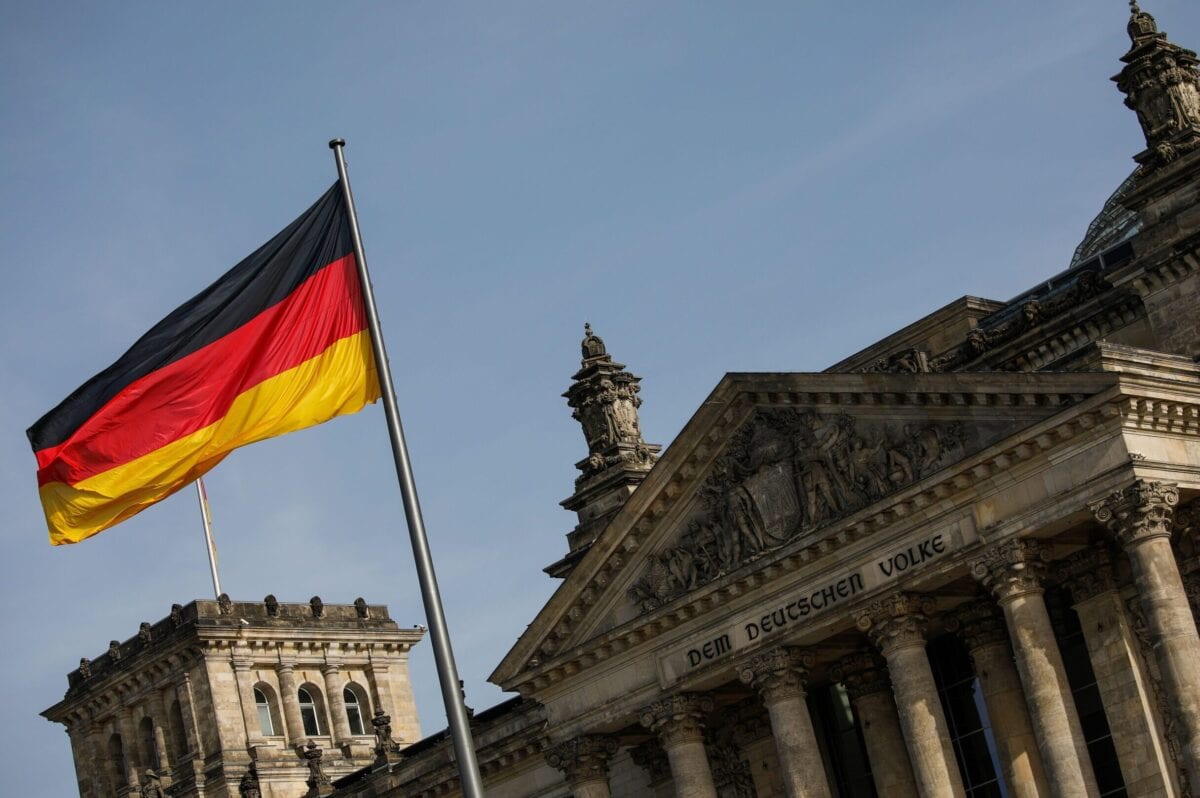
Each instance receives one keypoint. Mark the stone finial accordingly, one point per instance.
(317, 606)
(777, 673)
(584, 758)
(678, 719)
(896, 621)
(248, 787)
(593, 345)
(385, 746)
(225, 604)
(318, 783)
(1012, 568)
(979, 623)
(272, 605)
(1143, 511)
(1162, 85)
(361, 609)
(1087, 573)
(863, 673)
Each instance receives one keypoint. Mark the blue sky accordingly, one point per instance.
(715, 187)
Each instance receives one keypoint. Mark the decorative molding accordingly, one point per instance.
(979, 623)
(1087, 573)
(650, 757)
(1143, 511)
(895, 621)
(1012, 568)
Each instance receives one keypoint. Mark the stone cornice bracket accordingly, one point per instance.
(1143, 511)
(863, 673)
(678, 719)
(1087, 573)
(777, 673)
(584, 758)
(1013, 568)
(896, 621)
(979, 623)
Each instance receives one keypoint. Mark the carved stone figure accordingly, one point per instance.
(144, 632)
(318, 783)
(384, 744)
(176, 616)
(225, 604)
(360, 608)
(248, 787)
(85, 668)
(114, 650)
(317, 606)
(272, 605)
(151, 785)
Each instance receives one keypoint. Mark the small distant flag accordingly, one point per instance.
(278, 343)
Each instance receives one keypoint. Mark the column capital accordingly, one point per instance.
(1012, 568)
(777, 673)
(1143, 511)
(678, 718)
(242, 664)
(863, 673)
(650, 757)
(896, 621)
(1088, 573)
(584, 758)
(284, 666)
(979, 623)
(331, 669)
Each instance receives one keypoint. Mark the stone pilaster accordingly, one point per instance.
(895, 624)
(584, 762)
(129, 746)
(1013, 571)
(1140, 519)
(334, 684)
(679, 723)
(1125, 684)
(981, 628)
(864, 675)
(778, 675)
(245, 687)
(289, 699)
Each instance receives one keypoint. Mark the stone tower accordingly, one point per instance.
(1162, 86)
(225, 698)
(604, 399)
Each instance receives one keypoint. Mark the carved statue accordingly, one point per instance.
(316, 774)
(144, 632)
(151, 786)
(114, 650)
(360, 608)
(85, 668)
(248, 787)
(384, 744)
(272, 605)
(317, 606)
(176, 616)
(225, 604)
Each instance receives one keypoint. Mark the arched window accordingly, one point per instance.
(265, 724)
(309, 713)
(179, 733)
(353, 711)
(116, 760)
(149, 744)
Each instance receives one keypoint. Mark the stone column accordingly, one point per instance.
(981, 628)
(241, 676)
(1140, 517)
(289, 699)
(679, 723)
(334, 685)
(895, 624)
(187, 708)
(1125, 685)
(584, 763)
(129, 746)
(1013, 572)
(778, 676)
(864, 675)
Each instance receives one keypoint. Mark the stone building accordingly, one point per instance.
(964, 561)
(222, 694)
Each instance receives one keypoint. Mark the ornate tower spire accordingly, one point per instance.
(604, 399)
(1161, 84)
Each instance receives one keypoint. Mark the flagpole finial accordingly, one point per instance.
(335, 143)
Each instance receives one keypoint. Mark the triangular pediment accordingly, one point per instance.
(776, 461)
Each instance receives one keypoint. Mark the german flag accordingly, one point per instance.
(278, 343)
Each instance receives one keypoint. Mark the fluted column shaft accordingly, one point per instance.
(779, 675)
(864, 675)
(1140, 517)
(679, 723)
(334, 685)
(584, 762)
(982, 630)
(895, 626)
(290, 700)
(1013, 571)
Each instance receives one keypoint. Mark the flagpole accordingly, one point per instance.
(452, 697)
(202, 496)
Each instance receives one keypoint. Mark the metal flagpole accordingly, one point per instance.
(202, 495)
(452, 697)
